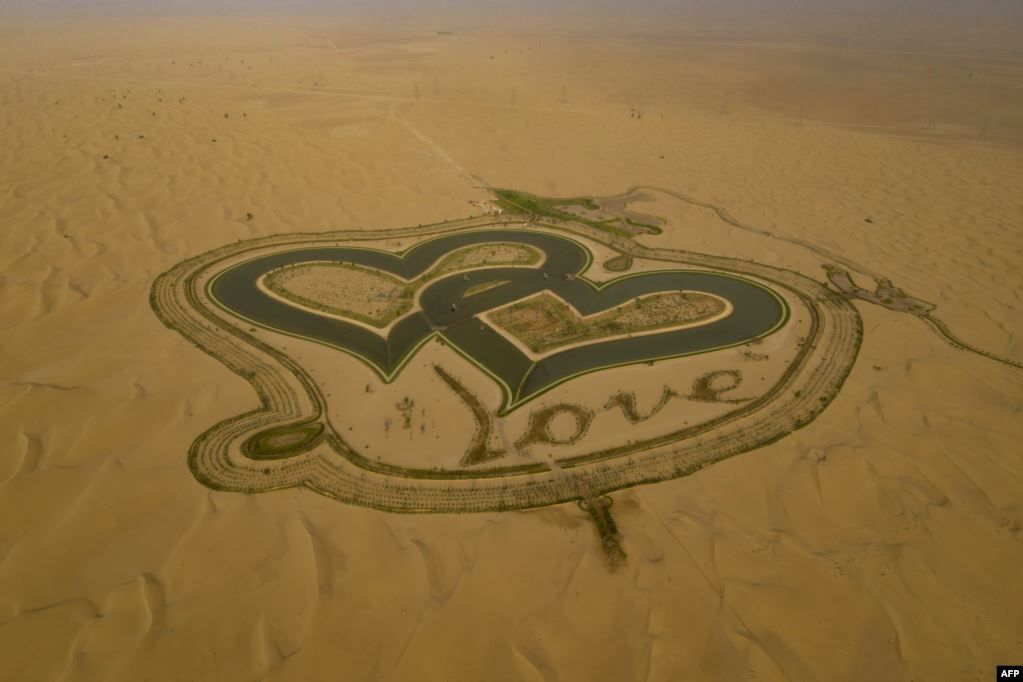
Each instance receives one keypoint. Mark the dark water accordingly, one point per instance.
(757, 311)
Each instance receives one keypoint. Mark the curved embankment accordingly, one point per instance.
(289, 397)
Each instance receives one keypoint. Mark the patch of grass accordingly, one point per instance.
(619, 263)
(653, 229)
(283, 442)
(514, 201)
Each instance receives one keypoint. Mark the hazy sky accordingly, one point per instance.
(928, 8)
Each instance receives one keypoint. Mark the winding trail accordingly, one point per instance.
(727, 217)
(433, 146)
(942, 329)
(936, 324)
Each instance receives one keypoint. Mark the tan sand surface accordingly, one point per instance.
(342, 289)
(544, 323)
(881, 542)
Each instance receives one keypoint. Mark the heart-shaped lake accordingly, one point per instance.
(452, 306)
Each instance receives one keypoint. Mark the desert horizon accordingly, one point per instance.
(510, 341)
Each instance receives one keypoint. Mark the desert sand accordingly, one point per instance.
(882, 541)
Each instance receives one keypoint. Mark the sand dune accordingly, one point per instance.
(881, 542)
